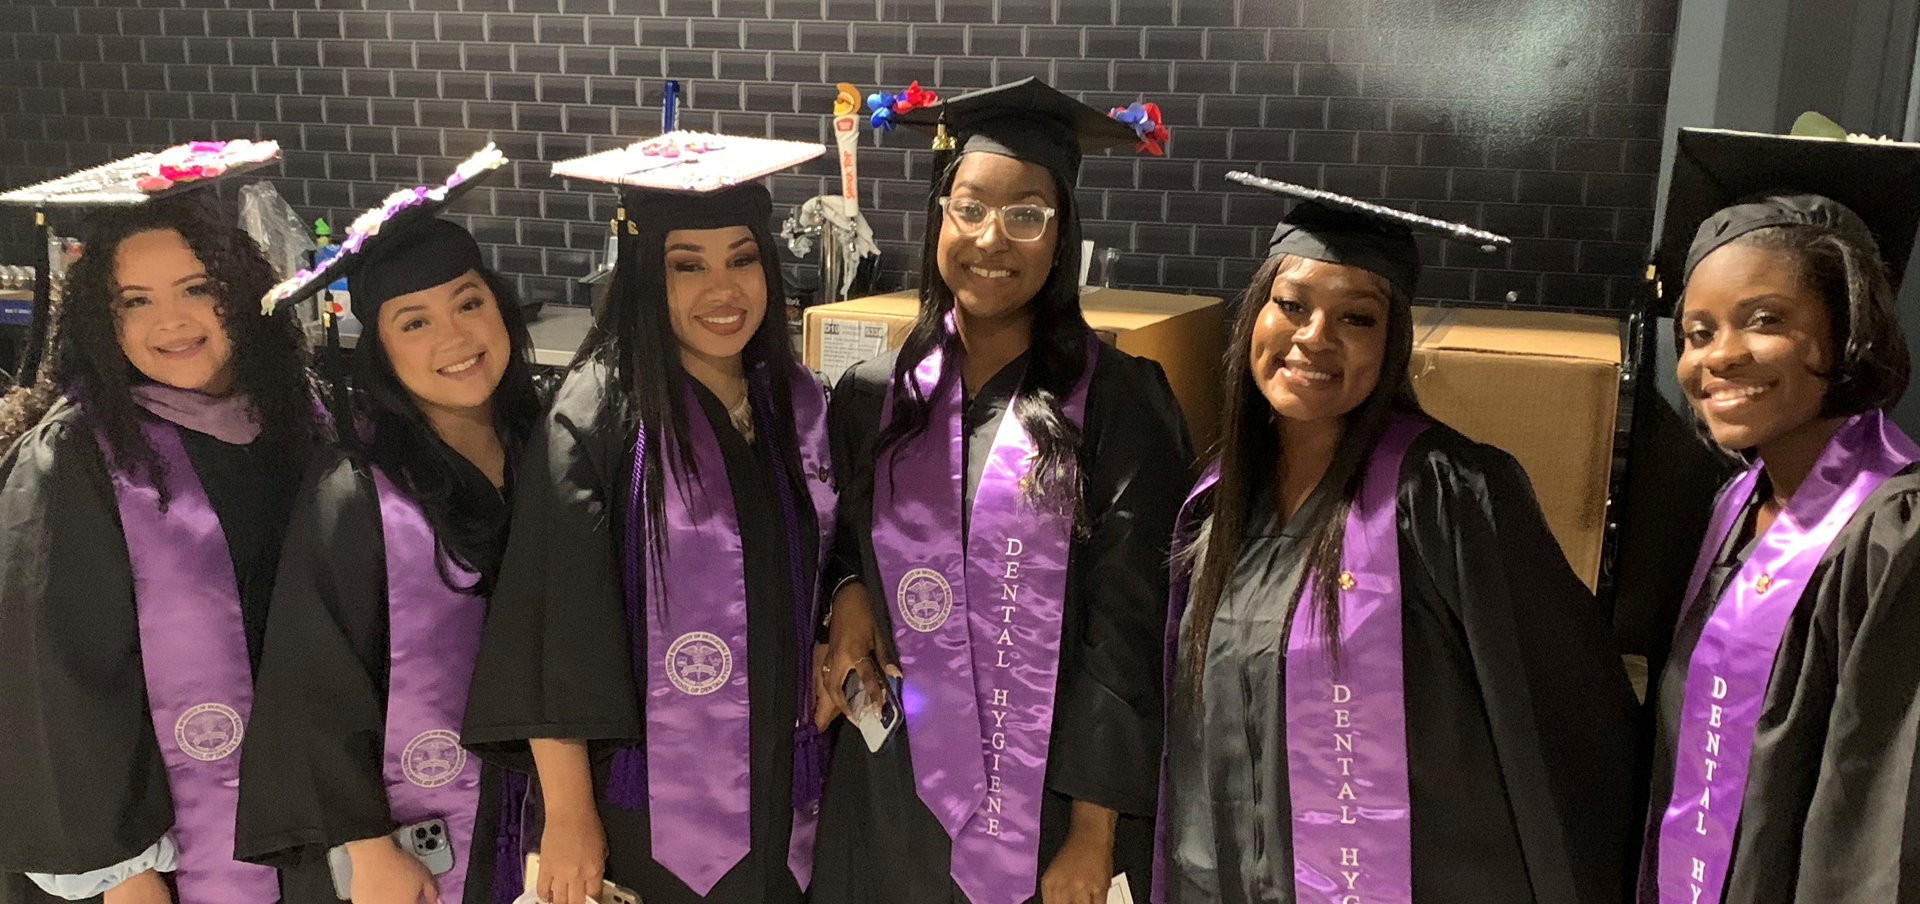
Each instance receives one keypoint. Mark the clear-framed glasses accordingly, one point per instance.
(1019, 222)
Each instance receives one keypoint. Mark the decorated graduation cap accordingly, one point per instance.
(1728, 184)
(127, 182)
(1337, 229)
(692, 180)
(402, 246)
(1030, 120)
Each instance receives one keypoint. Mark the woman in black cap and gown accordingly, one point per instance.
(1011, 487)
(147, 477)
(1784, 742)
(395, 541)
(647, 648)
(1386, 684)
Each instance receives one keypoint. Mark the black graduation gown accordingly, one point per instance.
(311, 774)
(82, 784)
(555, 660)
(878, 842)
(1519, 716)
(1831, 808)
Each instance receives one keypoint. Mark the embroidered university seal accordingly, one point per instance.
(925, 598)
(699, 663)
(433, 758)
(208, 732)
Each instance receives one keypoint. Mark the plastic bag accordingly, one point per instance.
(286, 240)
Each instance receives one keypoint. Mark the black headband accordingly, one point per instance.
(412, 253)
(1775, 209)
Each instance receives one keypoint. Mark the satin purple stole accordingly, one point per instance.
(434, 636)
(1347, 724)
(1346, 730)
(193, 650)
(1728, 673)
(697, 726)
(977, 624)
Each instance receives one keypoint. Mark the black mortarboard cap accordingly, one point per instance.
(1726, 184)
(382, 236)
(1341, 230)
(415, 250)
(1027, 120)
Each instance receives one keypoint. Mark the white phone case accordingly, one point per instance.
(612, 892)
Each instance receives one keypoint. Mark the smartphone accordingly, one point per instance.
(876, 721)
(611, 892)
(427, 841)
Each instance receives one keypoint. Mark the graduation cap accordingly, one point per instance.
(148, 176)
(1727, 184)
(1341, 230)
(692, 180)
(406, 224)
(1030, 120)
(126, 182)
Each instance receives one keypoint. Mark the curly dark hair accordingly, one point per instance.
(83, 358)
(402, 443)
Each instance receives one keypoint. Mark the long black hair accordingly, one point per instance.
(402, 442)
(1056, 359)
(84, 358)
(633, 338)
(1248, 455)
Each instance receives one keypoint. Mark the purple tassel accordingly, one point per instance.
(627, 785)
(808, 749)
(509, 873)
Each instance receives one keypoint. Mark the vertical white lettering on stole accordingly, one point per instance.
(1699, 876)
(999, 705)
(1348, 798)
(1709, 750)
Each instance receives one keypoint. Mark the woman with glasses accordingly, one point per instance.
(1010, 489)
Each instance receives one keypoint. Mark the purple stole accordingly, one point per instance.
(695, 651)
(434, 636)
(193, 650)
(1346, 727)
(1728, 673)
(977, 624)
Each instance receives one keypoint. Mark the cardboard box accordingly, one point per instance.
(1185, 333)
(1543, 387)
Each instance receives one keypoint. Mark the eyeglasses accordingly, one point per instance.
(1019, 222)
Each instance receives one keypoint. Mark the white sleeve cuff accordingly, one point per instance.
(163, 857)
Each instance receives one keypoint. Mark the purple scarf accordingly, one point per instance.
(977, 625)
(229, 418)
(193, 650)
(434, 637)
(1346, 728)
(692, 662)
(1728, 672)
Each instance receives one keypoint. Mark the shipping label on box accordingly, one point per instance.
(845, 342)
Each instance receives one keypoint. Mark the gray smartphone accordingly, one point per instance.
(427, 841)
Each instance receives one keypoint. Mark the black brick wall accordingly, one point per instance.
(1537, 118)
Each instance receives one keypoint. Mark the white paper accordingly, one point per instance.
(844, 343)
(1119, 892)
